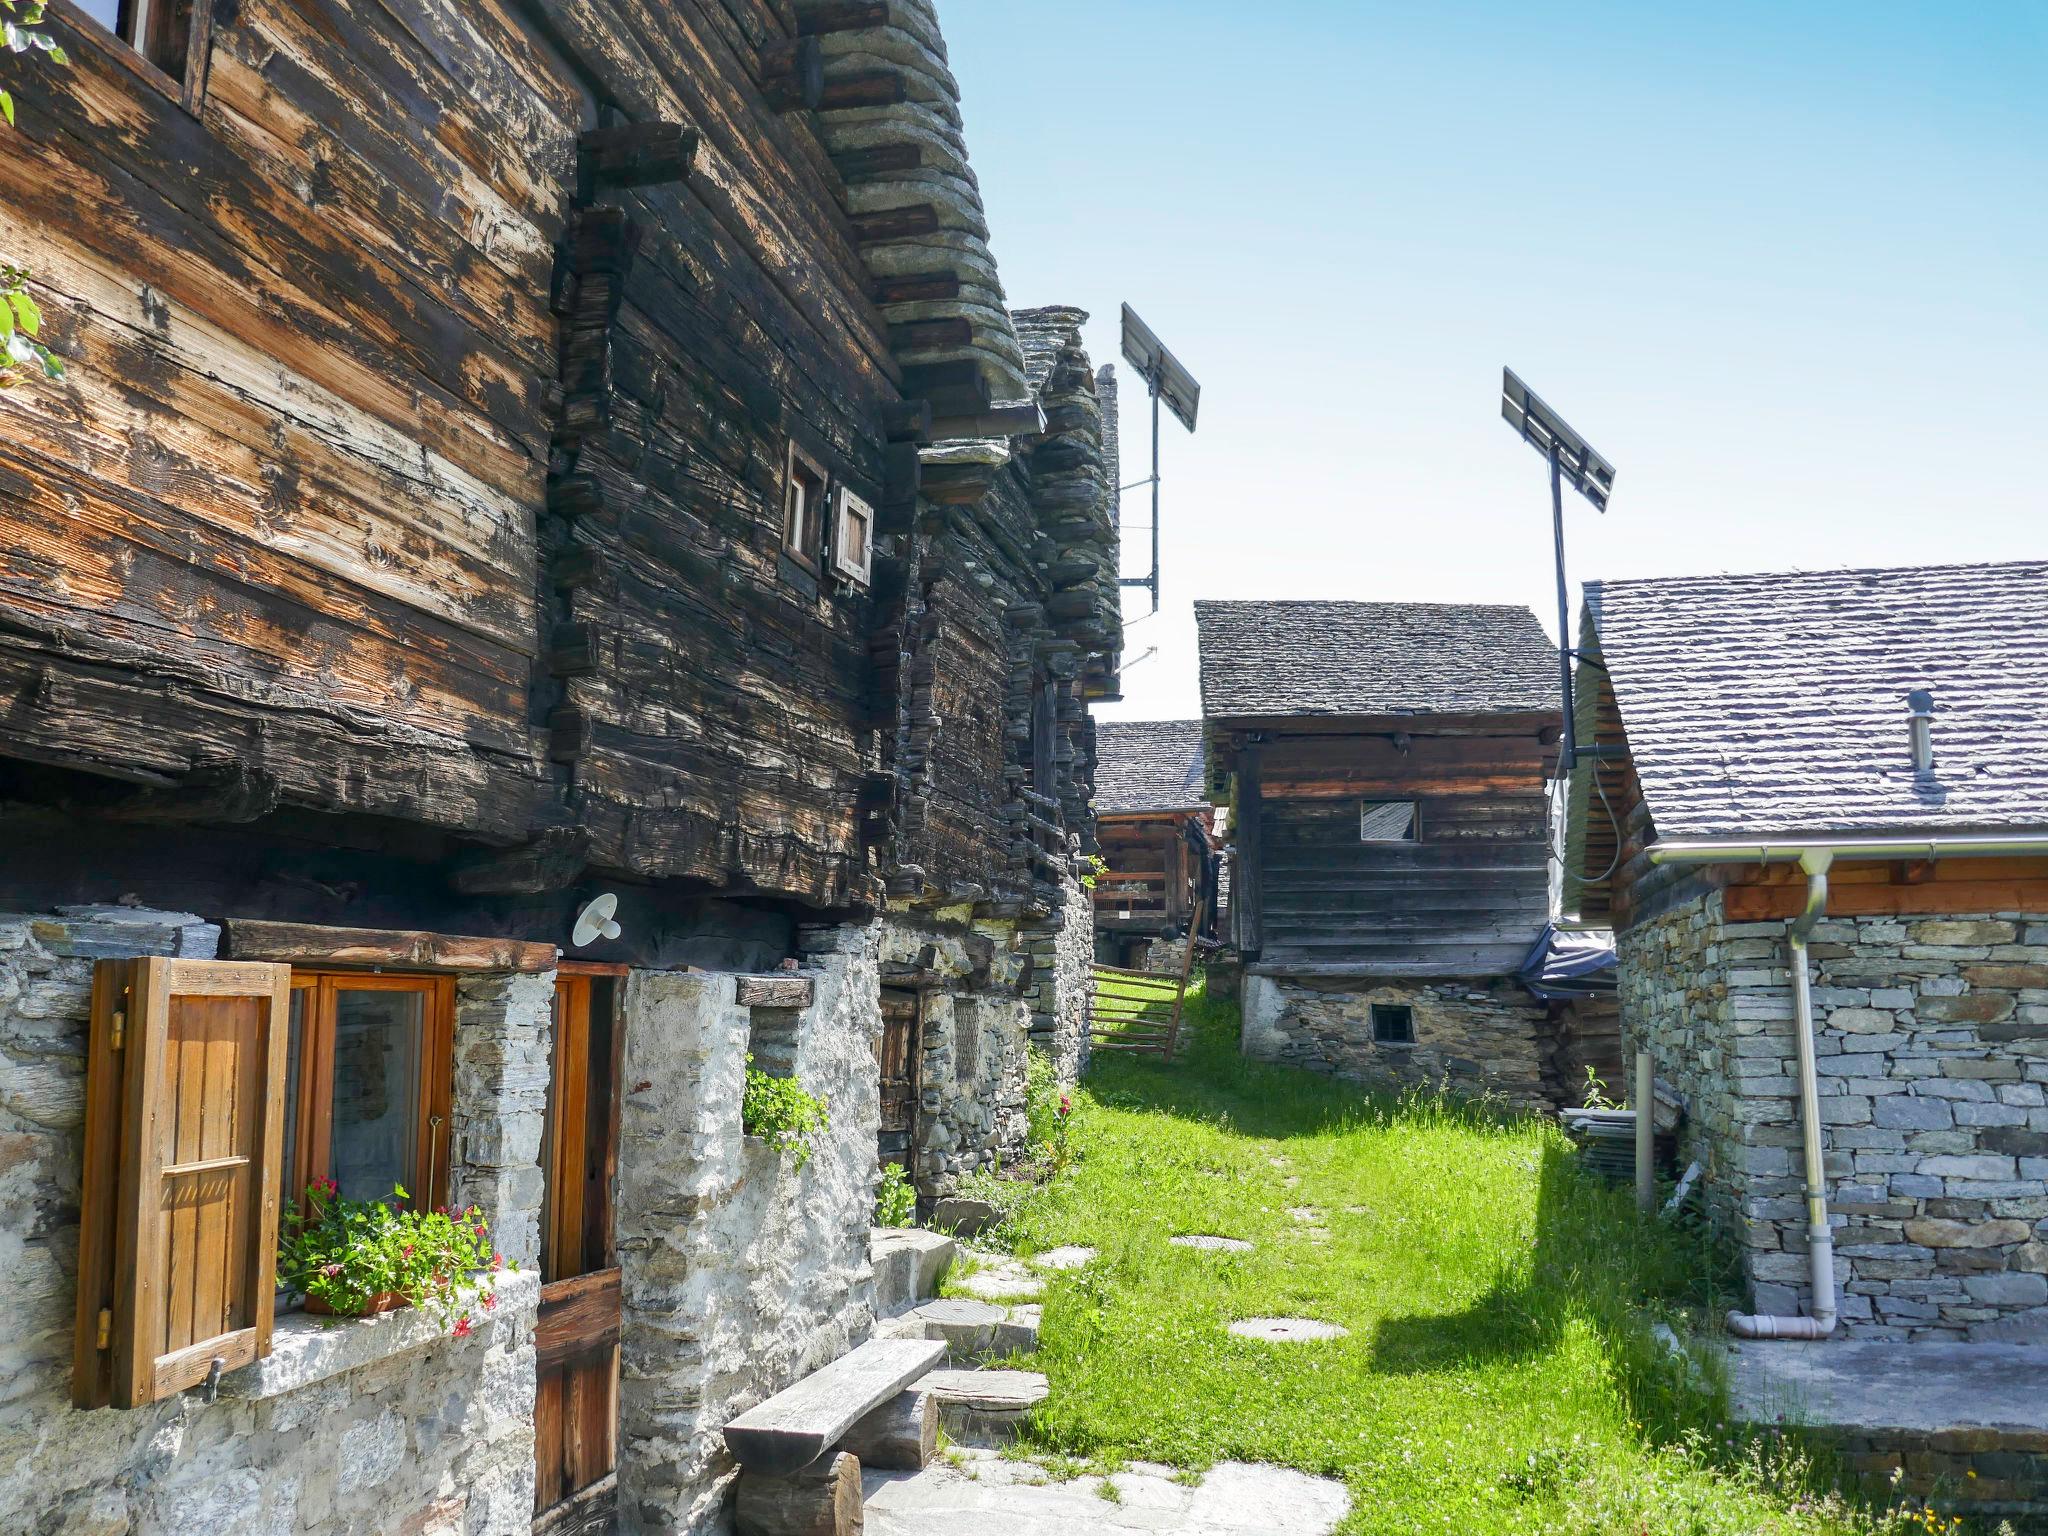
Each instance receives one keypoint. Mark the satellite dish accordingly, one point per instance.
(595, 921)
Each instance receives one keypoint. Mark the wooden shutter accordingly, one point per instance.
(184, 1135)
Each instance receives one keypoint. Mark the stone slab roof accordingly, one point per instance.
(1776, 704)
(1148, 765)
(1332, 658)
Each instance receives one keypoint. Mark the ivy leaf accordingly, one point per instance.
(53, 365)
(25, 311)
(7, 321)
(13, 36)
(7, 107)
(58, 55)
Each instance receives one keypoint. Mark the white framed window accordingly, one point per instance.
(853, 537)
(803, 508)
(1389, 821)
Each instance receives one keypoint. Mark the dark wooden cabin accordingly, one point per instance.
(1159, 848)
(512, 450)
(1385, 768)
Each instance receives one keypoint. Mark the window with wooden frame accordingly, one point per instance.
(165, 41)
(853, 537)
(367, 1085)
(178, 1211)
(803, 508)
(1393, 1024)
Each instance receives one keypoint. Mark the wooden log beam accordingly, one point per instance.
(908, 421)
(855, 165)
(634, 155)
(820, 1500)
(551, 862)
(793, 74)
(957, 331)
(773, 992)
(917, 288)
(870, 88)
(1021, 418)
(310, 944)
(886, 225)
(850, 16)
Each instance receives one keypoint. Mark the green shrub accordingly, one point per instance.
(896, 1200)
(345, 1254)
(779, 1111)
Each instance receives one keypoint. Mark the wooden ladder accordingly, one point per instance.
(1127, 1021)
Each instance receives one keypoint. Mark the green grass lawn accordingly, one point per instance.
(1497, 1377)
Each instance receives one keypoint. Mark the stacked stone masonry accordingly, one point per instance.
(434, 1438)
(1476, 1038)
(1932, 1042)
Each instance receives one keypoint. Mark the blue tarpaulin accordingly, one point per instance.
(1565, 963)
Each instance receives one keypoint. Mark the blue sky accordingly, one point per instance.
(1785, 264)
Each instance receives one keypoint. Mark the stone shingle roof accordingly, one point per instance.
(1776, 704)
(1324, 658)
(1148, 765)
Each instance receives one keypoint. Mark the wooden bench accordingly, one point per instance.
(799, 1424)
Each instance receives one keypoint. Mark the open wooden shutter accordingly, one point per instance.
(184, 1135)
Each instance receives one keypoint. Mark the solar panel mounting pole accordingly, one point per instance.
(1155, 493)
(1167, 380)
(1564, 612)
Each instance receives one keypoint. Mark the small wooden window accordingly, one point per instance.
(178, 1216)
(368, 1085)
(1393, 1024)
(169, 39)
(803, 509)
(853, 537)
(1389, 821)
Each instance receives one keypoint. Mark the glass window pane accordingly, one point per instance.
(106, 12)
(378, 1039)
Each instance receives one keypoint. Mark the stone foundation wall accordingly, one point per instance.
(740, 1272)
(1932, 1044)
(1472, 1038)
(1062, 967)
(385, 1425)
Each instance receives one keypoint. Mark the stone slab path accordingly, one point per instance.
(987, 1495)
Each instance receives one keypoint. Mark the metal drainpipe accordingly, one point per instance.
(1820, 1239)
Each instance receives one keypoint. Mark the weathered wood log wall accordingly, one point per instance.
(421, 458)
(1466, 900)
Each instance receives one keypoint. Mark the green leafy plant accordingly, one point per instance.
(21, 322)
(896, 1200)
(779, 1111)
(1093, 868)
(1596, 1092)
(354, 1257)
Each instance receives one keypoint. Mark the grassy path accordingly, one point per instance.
(1494, 1379)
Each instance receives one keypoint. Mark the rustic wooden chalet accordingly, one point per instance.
(511, 452)
(1159, 848)
(1820, 808)
(1384, 764)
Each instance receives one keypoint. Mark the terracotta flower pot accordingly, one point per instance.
(383, 1301)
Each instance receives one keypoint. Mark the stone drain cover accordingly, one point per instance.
(1209, 1244)
(1287, 1330)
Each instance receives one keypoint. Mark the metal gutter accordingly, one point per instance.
(1815, 856)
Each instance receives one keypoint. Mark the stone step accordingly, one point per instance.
(985, 1408)
(908, 1264)
(973, 1330)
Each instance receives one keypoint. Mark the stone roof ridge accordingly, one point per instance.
(1324, 657)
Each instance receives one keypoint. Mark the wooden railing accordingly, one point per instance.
(1140, 1011)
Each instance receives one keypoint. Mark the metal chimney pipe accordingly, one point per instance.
(1920, 722)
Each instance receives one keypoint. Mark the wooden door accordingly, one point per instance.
(576, 1413)
(899, 1075)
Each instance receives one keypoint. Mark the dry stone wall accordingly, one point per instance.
(1931, 1036)
(1473, 1038)
(384, 1425)
(740, 1272)
(1062, 967)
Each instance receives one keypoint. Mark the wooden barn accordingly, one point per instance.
(512, 455)
(1818, 822)
(1160, 854)
(1385, 765)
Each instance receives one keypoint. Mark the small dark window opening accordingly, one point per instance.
(803, 509)
(1393, 1024)
(171, 35)
(1389, 821)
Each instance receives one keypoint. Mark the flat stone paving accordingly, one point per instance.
(987, 1495)
(1878, 1385)
(1288, 1330)
(998, 1277)
(1211, 1244)
(1070, 1257)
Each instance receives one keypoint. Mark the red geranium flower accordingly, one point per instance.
(497, 1261)
(463, 1327)
(490, 1301)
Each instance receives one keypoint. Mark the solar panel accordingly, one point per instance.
(1541, 427)
(1161, 370)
